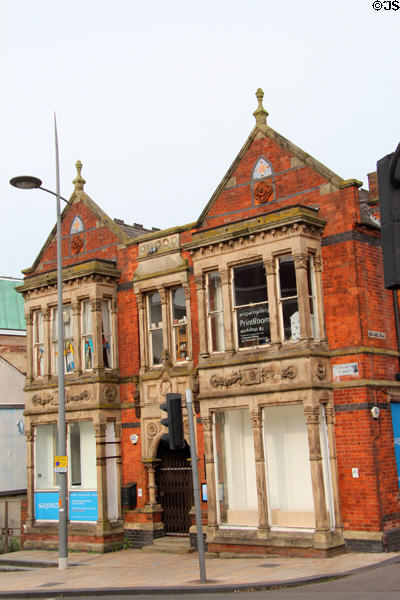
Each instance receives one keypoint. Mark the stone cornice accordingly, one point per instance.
(287, 221)
(84, 269)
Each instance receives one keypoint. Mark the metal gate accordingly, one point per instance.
(175, 490)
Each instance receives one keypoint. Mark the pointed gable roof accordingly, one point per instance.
(260, 131)
(123, 232)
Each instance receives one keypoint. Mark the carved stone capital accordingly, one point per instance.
(163, 295)
(100, 430)
(270, 267)
(117, 431)
(28, 318)
(330, 414)
(200, 282)
(225, 276)
(256, 418)
(300, 260)
(318, 263)
(207, 423)
(312, 415)
(186, 291)
(140, 299)
(96, 305)
(46, 313)
(76, 309)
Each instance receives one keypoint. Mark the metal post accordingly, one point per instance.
(196, 487)
(62, 440)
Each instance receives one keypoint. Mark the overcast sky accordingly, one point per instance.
(155, 97)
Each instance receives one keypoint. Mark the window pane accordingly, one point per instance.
(287, 277)
(288, 467)
(250, 284)
(178, 304)
(217, 333)
(75, 445)
(156, 344)
(236, 475)
(155, 310)
(106, 334)
(215, 312)
(214, 292)
(291, 319)
(45, 450)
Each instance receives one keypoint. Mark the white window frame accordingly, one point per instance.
(153, 327)
(87, 335)
(218, 314)
(37, 342)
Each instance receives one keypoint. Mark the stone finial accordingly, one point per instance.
(260, 113)
(78, 181)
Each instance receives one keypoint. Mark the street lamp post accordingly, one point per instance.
(28, 183)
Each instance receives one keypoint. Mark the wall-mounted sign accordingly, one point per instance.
(253, 325)
(46, 506)
(380, 335)
(60, 464)
(134, 438)
(346, 369)
(83, 506)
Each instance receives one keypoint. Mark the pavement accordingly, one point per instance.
(136, 572)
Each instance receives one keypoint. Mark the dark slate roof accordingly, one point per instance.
(135, 230)
(11, 305)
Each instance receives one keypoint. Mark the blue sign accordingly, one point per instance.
(83, 506)
(46, 506)
(396, 433)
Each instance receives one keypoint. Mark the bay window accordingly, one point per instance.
(251, 305)
(38, 344)
(155, 328)
(215, 313)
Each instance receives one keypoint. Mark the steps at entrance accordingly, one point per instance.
(170, 544)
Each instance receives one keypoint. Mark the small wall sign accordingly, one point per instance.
(134, 437)
(60, 464)
(346, 369)
(380, 335)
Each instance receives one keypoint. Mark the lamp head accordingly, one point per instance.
(26, 182)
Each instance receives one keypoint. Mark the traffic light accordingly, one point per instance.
(174, 422)
(388, 169)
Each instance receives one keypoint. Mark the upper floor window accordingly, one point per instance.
(215, 312)
(312, 297)
(68, 359)
(155, 328)
(106, 337)
(87, 335)
(38, 344)
(288, 300)
(179, 324)
(251, 305)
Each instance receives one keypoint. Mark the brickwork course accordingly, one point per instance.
(359, 328)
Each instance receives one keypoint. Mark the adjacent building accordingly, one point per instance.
(271, 308)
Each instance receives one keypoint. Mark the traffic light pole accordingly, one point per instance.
(196, 487)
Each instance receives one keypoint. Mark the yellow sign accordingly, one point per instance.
(60, 464)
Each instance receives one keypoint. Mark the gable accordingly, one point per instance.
(270, 173)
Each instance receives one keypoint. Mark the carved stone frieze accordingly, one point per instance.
(42, 399)
(262, 192)
(80, 397)
(152, 428)
(254, 376)
(320, 370)
(161, 244)
(165, 387)
(110, 393)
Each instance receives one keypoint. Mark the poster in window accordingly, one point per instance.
(253, 326)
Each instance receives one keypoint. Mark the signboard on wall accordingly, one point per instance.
(83, 506)
(395, 407)
(46, 506)
(253, 325)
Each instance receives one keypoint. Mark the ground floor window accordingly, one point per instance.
(235, 468)
(82, 472)
(288, 467)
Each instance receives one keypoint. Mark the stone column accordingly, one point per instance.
(330, 424)
(98, 363)
(321, 534)
(202, 308)
(47, 359)
(256, 422)
(229, 325)
(319, 299)
(118, 436)
(114, 336)
(143, 333)
(270, 270)
(76, 333)
(150, 466)
(300, 263)
(186, 289)
(210, 476)
(29, 346)
(30, 467)
(101, 466)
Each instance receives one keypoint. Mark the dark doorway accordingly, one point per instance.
(175, 488)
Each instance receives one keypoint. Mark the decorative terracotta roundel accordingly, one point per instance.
(262, 191)
(76, 244)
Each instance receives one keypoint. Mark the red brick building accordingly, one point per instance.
(271, 308)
